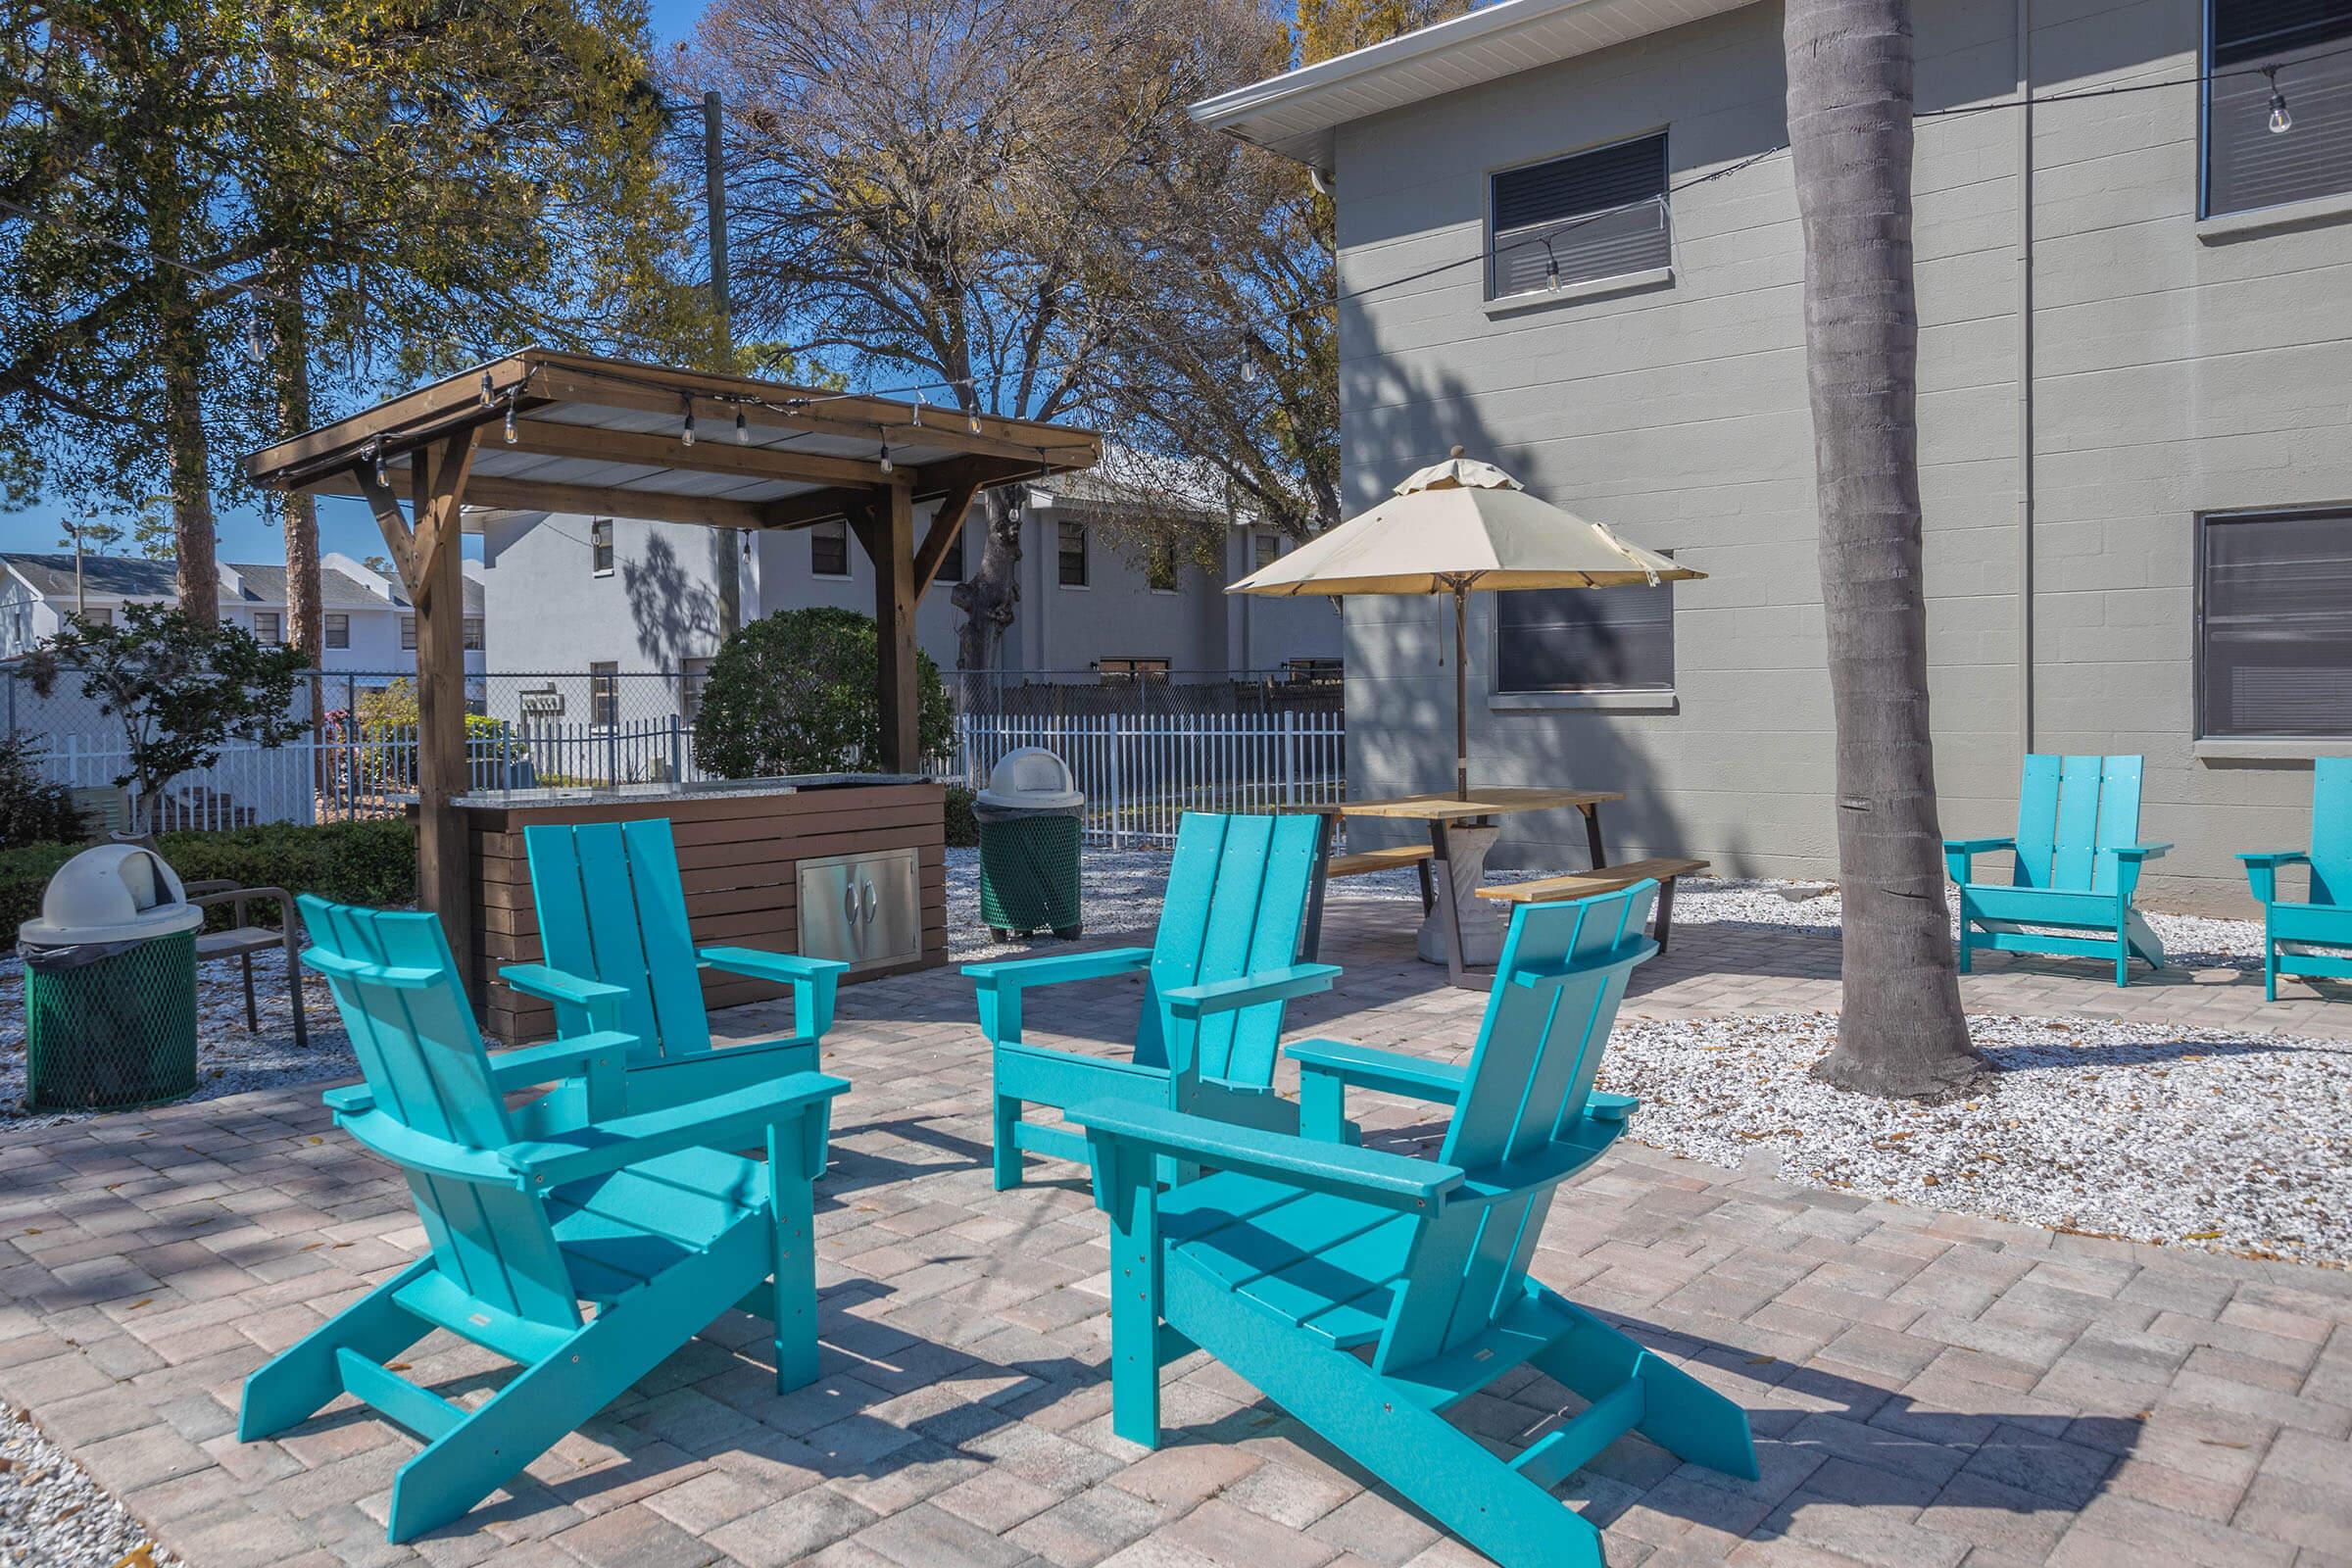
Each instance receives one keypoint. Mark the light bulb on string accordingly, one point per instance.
(2281, 120)
(686, 430)
(918, 411)
(886, 463)
(743, 430)
(376, 452)
(489, 392)
(971, 420)
(1551, 268)
(511, 435)
(256, 345)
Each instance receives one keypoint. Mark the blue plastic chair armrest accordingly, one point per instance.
(1387, 1071)
(1230, 996)
(1057, 969)
(1369, 1175)
(2275, 858)
(558, 1058)
(813, 981)
(1602, 1105)
(349, 1099)
(723, 1121)
(2138, 852)
(555, 985)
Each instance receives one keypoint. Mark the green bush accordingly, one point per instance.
(793, 693)
(964, 828)
(351, 863)
(32, 810)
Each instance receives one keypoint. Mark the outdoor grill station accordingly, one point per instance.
(546, 431)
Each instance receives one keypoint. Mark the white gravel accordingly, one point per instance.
(2147, 1131)
(229, 1059)
(53, 1515)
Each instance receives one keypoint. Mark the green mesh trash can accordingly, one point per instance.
(109, 985)
(1029, 825)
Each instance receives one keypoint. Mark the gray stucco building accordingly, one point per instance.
(2135, 405)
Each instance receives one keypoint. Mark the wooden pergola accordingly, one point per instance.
(545, 431)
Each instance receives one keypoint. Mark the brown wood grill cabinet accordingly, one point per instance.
(873, 847)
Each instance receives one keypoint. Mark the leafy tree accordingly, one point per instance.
(1901, 1029)
(180, 687)
(32, 811)
(797, 693)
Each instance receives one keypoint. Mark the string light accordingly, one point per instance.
(886, 462)
(1551, 268)
(686, 430)
(972, 419)
(376, 451)
(489, 392)
(743, 431)
(510, 436)
(918, 411)
(2281, 120)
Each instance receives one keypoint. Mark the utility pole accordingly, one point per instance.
(714, 183)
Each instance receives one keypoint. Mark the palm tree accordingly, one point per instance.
(1900, 1028)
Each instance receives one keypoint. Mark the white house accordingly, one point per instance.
(369, 631)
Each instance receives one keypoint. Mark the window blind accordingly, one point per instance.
(1593, 215)
(2275, 631)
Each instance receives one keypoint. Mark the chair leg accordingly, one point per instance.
(302, 1028)
(793, 1314)
(2269, 968)
(253, 1017)
(1007, 1153)
(1135, 1301)
(299, 1381)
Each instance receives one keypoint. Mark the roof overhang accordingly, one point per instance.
(1296, 113)
(606, 436)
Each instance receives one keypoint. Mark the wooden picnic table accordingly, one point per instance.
(1444, 813)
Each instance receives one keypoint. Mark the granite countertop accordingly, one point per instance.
(712, 789)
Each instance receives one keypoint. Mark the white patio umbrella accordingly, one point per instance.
(1461, 527)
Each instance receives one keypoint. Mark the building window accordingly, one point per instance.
(1265, 549)
(1159, 570)
(829, 549)
(2247, 163)
(267, 626)
(693, 675)
(1116, 671)
(1591, 214)
(99, 616)
(2274, 625)
(474, 634)
(1585, 640)
(336, 629)
(1073, 555)
(407, 634)
(604, 695)
(600, 547)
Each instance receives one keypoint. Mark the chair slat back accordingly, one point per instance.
(2332, 830)
(2067, 809)
(1529, 1077)
(1235, 902)
(612, 906)
(414, 1034)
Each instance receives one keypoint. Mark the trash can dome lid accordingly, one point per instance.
(114, 892)
(1033, 777)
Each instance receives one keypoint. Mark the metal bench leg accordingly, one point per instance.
(253, 1017)
(1429, 888)
(1665, 917)
(1600, 857)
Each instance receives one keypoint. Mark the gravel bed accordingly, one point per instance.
(53, 1515)
(229, 1060)
(2146, 1131)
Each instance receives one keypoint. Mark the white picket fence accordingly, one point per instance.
(1141, 774)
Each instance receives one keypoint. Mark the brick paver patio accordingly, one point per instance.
(1926, 1390)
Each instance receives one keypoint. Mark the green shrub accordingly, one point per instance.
(351, 863)
(32, 811)
(964, 828)
(793, 693)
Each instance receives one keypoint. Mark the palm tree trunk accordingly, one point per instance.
(1900, 1028)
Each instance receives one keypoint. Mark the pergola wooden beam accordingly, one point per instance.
(946, 524)
(599, 501)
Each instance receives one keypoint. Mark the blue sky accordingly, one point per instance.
(247, 534)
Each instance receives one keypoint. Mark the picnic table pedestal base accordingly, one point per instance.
(1459, 867)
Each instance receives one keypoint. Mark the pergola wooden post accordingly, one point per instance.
(565, 432)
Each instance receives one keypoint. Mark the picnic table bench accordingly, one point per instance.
(1608, 879)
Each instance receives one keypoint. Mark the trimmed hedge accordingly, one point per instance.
(964, 828)
(352, 863)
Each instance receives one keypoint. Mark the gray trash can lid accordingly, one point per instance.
(114, 892)
(1032, 778)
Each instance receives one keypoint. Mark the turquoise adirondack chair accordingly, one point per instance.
(2077, 861)
(613, 912)
(1300, 1250)
(2314, 937)
(635, 1212)
(1216, 977)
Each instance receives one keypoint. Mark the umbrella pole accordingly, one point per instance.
(1461, 698)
